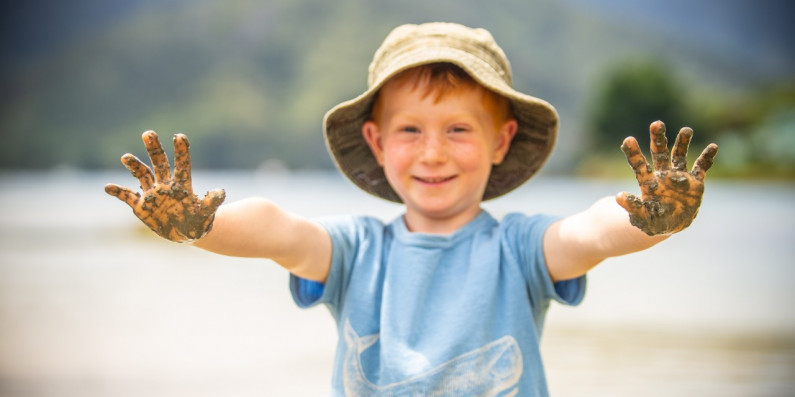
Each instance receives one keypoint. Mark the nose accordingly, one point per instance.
(434, 149)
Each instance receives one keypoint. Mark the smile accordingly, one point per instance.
(434, 180)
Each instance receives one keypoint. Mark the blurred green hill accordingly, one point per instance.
(249, 81)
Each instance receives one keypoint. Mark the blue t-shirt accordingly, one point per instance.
(423, 314)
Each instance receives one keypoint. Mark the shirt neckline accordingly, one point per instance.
(402, 232)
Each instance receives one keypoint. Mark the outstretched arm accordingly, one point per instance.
(249, 228)
(258, 228)
(669, 201)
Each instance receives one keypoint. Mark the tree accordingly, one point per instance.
(633, 96)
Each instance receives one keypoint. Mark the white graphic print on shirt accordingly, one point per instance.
(487, 371)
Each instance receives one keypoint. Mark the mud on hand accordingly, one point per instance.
(167, 204)
(670, 195)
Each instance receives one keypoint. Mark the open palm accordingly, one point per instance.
(167, 204)
(670, 195)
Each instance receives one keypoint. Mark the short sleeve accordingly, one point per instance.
(348, 236)
(306, 293)
(570, 292)
(527, 235)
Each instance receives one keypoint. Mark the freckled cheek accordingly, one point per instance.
(398, 158)
(472, 158)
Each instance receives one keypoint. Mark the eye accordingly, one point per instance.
(457, 129)
(410, 129)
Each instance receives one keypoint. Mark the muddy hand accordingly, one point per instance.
(670, 195)
(167, 204)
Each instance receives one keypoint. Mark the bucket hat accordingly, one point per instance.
(474, 51)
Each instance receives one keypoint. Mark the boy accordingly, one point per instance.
(444, 300)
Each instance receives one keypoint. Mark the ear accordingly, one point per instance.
(372, 134)
(503, 141)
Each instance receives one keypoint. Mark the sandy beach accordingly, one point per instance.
(92, 304)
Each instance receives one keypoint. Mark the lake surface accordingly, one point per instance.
(93, 304)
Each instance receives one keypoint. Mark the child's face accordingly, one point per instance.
(437, 153)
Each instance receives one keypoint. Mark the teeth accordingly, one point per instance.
(435, 180)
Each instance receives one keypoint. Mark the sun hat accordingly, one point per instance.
(476, 52)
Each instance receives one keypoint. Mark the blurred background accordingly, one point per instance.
(92, 304)
(249, 81)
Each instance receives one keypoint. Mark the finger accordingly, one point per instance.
(182, 162)
(636, 160)
(679, 152)
(139, 170)
(158, 156)
(631, 203)
(659, 146)
(704, 161)
(211, 201)
(124, 194)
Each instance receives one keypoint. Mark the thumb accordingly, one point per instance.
(629, 202)
(211, 201)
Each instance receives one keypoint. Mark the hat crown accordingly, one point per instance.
(401, 46)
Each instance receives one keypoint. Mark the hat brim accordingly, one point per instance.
(530, 148)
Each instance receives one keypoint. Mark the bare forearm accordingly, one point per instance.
(577, 243)
(257, 228)
(236, 232)
(613, 233)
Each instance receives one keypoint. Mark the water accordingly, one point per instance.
(91, 303)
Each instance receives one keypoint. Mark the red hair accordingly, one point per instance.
(442, 79)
